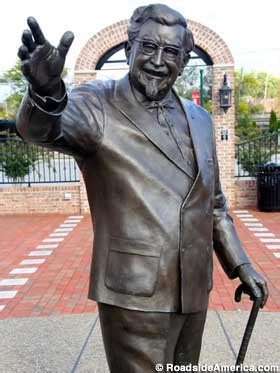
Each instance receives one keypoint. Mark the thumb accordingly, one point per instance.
(238, 293)
(65, 43)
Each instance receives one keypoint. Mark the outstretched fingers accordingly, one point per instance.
(36, 31)
(23, 53)
(26, 68)
(28, 41)
(65, 43)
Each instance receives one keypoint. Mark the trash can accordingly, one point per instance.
(268, 187)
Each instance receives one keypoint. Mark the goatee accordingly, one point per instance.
(152, 89)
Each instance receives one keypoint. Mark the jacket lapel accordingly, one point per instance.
(196, 130)
(202, 139)
(143, 120)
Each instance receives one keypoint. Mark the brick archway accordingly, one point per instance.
(109, 37)
(207, 40)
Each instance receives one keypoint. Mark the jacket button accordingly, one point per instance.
(182, 249)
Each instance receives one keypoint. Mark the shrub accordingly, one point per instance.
(17, 158)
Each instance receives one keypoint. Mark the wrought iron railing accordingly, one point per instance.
(24, 163)
(7, 126)
(252, 154)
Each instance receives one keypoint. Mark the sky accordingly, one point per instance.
(249, 27)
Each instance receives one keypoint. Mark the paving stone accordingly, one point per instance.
(47, 246)
(23, 270)
(13, 281)
(7, 294)
(53, 240)
(40, 253)
(32, 261)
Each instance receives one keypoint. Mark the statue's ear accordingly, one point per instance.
(127, 49)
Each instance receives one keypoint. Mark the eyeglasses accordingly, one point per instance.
(150, 48)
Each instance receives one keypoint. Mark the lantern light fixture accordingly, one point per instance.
(225, 95)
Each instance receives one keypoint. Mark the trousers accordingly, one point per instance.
(135, 341)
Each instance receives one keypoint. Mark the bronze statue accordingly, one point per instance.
(149, 163)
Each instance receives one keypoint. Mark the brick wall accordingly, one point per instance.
(225, 121)
(40, 200)
(84, 206)
(99, 44)
(53, 199)
(245, 193)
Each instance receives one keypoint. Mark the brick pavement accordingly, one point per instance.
(60, 284)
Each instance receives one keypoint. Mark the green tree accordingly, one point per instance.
(3, 113)
(247, 128)
(18, 84)
(255, 84)
(17, 158)
(248, 87)
(274, 123)
(189, 81)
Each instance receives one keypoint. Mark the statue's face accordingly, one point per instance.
(156, 58)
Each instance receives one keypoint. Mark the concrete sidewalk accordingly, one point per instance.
(72, 343)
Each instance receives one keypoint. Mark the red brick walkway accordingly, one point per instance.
(60, 284)
(263, 260)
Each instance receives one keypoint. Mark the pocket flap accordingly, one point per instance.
(136, 247)
(132, 267)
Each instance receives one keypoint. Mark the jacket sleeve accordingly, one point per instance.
(226, 243)
(74, 127)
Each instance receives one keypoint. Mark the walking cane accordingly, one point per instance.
(250, 324)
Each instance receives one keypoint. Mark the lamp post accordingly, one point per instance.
(201, 88)
(225, 95)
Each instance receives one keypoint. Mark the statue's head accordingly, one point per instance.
(158, 48)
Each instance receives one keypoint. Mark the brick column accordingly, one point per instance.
(84, 206)
(222, 120)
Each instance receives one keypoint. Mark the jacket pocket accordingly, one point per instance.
(132, 267)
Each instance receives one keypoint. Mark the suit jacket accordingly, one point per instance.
(153, 236)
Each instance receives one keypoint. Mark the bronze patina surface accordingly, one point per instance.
(150, 168)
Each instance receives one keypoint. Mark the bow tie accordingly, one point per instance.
(165, 104)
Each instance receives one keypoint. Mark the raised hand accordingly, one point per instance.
(42, 63)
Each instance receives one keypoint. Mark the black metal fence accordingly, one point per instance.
(250, 155)
(7, 127)
(23, 163)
